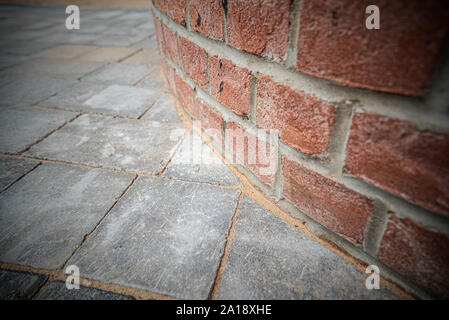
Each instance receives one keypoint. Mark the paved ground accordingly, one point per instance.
(97, 171)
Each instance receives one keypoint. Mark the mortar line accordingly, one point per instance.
(21, 177)
(219, 274)
(86, 236)
(93, 71)
(293, 34)
(129, 55)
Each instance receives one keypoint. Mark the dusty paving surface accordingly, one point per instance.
(98, 172)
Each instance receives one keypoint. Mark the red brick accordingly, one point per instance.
(259, 26)
(185, 96)
(211, 121)
(247, 150)
(230, 84)
(159, 34)
(334, 43)
(171, 45)
(206, 17)
(333, 205)
(176, 10)
(194, 61)
(418, 253)
(169, 73)
(160, 4)
(304, 121)
(396, 156)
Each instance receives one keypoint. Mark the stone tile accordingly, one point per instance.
(31, 90)
(119, 40)
(147, 43)
(195, 161)
(143, 146)
(66, 51)
(57, 290)
(23, 47)
(67, 37)
(19, 285)
(46, 214)
(12, 169)
(165, 236)
(21, 127)
(268, 259)
(112, 54)
(154, 81)
(118, 73)
(145, 57)
(122, 100)
(74, 97)
(164, 110)
(60, 68)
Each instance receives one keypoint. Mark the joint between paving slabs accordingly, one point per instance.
(20, 178)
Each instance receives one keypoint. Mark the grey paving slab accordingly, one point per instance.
(146, 43)
(145, 56)
(268, 259)
(57, 290)
(63, 36)
(154, 81)
(21, 127)
(165, 236)
(12, 169)
(163, 110)
(195, 161)
(23, 47)
(19, 285)
(66, 51)
(118, 73)
(118, 40)
(108, 54)
(31, 90)
(45, 215)
(142, 146)
(123, 100)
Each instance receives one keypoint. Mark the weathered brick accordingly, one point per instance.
(169, 75)
(176, 10)
(399, 57)
(160, 4)
(159, 34)
(211, 121)
(248, 150)
(230, 84)
(185, 96)
(171, 45)
(304, 121)
(206, 17)
(333, 205)
(396, 156)
(194, 61)
(259, 26)
(418, 253)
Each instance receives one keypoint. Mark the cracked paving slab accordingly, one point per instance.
(166, 236)
(268, 259)
(140, 146)
(45, 215)
(195, 161)
(12, 169)
(21, 127)
(19, 285)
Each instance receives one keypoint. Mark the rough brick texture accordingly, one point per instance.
(230, 84)
(211, 121)
(206, 17)
(185, 96)
(399, 57)
(248, 150)
(395, 155)
(176, 10)
(194, 61)
(171, 45)
(304, 121)
(418, 253)
(159, 34)
(333, 205)
(169, 73)
(259, 26)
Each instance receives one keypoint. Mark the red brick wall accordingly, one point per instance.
(358, 148)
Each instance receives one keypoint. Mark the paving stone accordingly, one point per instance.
(163, 110)
(147, 43)
(146, 57)
(45, 215)
(57, 290)
(68, 37)
(268, 259)
(118, 73)
(142, 146)
(21, 127)
(112, 54)
(123, 100)
(19, 285)
(165, 236)
(195, 161)
(23, 47)
(60, 68)
(66, 51)
(12, 169)
(31, 90)
(119, 40)
(154, 81)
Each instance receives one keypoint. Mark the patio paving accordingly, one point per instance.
(98, 171)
